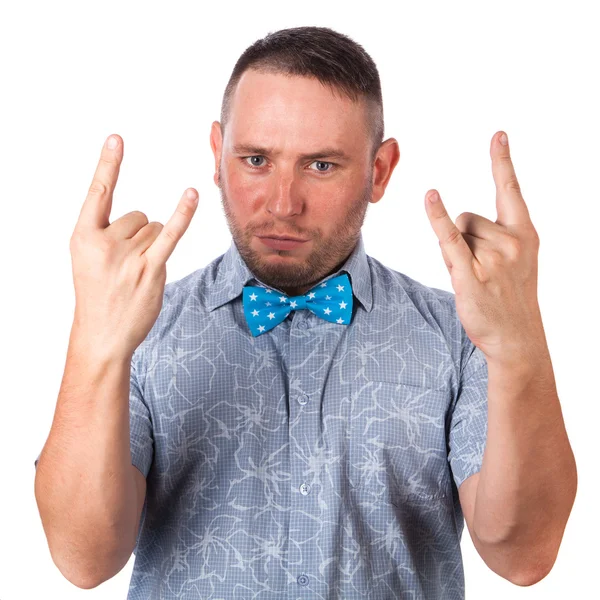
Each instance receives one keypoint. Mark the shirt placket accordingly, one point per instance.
(304, 392)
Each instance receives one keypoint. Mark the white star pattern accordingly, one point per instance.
(317, 302)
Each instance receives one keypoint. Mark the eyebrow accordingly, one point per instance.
(325, 153)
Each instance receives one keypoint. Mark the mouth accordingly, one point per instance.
(281, 243)
(282, 237)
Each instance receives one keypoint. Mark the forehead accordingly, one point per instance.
(296, 112)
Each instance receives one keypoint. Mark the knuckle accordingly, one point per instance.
(170, 234)
(442, 214)
(463, 220)
(480, 272)
(76, 237)
(495, 258)
(454, 236)
(513, 185)
(108, 162)
(185, 210)
(105, 245)
(97, 250)
(531, 235)
(138, 213)
(81, 239)
(92, 247)
(153, 229)
(460, 220)
(513, 247)
(98, 188)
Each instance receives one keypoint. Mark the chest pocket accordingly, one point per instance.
(398, 449)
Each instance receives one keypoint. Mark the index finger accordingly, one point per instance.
(163, 246)
(96, 208)
(450, 238)
(510, 204)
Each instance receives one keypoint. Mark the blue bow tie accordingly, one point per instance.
(331, 300)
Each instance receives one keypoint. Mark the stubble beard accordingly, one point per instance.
(326, 256)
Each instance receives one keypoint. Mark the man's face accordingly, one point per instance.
(268, 188)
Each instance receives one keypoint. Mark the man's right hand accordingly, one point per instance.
(119, 268)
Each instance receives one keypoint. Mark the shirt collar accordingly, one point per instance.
(233, 274)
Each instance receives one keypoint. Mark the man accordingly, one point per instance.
(303, 420)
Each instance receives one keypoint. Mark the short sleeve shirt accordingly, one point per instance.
(316, 460)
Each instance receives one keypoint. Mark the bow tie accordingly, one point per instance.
(331, 300)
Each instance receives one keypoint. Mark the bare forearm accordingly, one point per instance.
(83, 486)
(528, 479)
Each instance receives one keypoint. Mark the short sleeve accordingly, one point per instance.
(141, 438)
(468, 422)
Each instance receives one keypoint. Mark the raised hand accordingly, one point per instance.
(493, 265)
(119, 268)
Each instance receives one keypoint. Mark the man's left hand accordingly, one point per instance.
(493, 266)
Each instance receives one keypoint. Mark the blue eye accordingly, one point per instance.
(322, 162)
(251, 157)
(259, 157)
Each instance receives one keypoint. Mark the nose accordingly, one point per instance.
(284, 197)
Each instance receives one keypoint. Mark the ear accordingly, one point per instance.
(216, 143)
(386, 159)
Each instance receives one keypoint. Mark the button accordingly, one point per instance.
(303, 325)
(304, 489)
(302, 579)
(303, 399)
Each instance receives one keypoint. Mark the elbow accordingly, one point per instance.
(85, 579)
(535, 571)
(521, 565)
(80, 580)
(529, 578)
(85, 584)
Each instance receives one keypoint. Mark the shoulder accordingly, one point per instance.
(392, 285)
(180, 297)
(426, 315)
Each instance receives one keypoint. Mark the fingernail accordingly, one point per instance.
(111, 142)
(191, 194)
(503, 139)
(434, 197)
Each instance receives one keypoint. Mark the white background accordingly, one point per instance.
(452, 75)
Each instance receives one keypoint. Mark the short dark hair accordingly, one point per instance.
(331, 57)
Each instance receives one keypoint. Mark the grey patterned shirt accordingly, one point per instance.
(315, 461)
